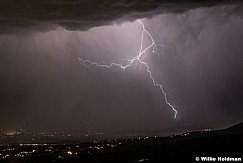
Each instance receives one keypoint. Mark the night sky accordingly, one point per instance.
(43, 84)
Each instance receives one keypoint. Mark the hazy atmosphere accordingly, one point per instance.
(44, 85)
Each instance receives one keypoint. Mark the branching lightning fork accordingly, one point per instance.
(137, 59)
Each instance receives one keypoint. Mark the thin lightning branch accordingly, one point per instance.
(135, 60)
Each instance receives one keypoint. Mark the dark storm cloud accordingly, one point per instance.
(42, 15)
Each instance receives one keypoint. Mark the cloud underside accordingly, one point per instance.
(39, 15)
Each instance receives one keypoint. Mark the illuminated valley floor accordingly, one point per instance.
(186, 147)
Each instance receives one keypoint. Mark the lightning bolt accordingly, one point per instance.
(135, 60)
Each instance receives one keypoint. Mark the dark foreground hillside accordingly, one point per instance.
(180, 148)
